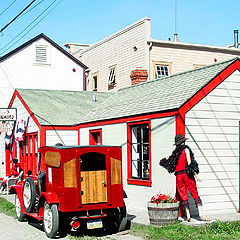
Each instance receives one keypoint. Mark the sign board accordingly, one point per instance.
(8, 114)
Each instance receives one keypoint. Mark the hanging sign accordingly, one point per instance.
(8, 114)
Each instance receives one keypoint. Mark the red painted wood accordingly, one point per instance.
(209, 87)
(129, 155)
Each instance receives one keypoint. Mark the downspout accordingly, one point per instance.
(149, 64)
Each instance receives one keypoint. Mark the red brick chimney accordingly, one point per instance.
(138, 75)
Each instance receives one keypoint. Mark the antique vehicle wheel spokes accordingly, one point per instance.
(29, 194)
(50, 220)
(18, 209)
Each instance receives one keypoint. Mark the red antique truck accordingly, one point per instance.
(81, 186)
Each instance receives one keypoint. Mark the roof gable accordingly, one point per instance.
(26, 44)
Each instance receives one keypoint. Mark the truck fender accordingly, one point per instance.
(49, 197)
(18, 189)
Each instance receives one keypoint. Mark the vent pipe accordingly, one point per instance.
(236, 38)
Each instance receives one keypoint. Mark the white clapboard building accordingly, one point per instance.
(202, 104)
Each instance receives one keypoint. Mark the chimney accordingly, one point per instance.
(138, 75)
(236, 38)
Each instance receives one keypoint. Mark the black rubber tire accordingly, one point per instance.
(29, 201)
(20, 215)
(117, 221)
(123, 218)
(51, 220)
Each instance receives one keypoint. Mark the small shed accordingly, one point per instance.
(202, 104)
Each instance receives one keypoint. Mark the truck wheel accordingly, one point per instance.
(18, 209)
(123, 218)
(50, 220)
(29, 194)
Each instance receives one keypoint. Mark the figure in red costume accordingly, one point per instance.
(185, 168)
(14, 172)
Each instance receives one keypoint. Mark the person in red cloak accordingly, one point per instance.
(185, 168)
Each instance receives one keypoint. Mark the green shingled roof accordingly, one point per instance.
(71, 108)
(57, 107)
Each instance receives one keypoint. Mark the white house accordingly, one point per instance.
(112, 59)
(202, 104)
(39, 63)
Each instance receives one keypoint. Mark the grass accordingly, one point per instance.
(217, 230)
(7, 207)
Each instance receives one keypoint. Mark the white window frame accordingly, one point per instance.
(112, 75)
(159, 73)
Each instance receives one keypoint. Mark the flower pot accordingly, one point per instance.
(162, 213)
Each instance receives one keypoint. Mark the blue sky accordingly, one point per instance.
(198, 21)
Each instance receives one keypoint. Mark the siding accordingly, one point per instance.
(118, 50)
(214, 124)
(69, 137)
(21, 71)
(183, 59)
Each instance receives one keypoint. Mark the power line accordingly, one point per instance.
(17, 16)
(7, 7)
(31, 9)
(30, 25)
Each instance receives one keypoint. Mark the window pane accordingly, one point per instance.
(140, 151)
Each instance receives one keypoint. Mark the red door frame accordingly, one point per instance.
(130, 180)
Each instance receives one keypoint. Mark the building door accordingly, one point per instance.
(93, 178)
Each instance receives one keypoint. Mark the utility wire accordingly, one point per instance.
(31, 9)
(17, 15)
(30, 25)
(7, 8)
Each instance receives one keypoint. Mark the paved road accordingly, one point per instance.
(12, 229)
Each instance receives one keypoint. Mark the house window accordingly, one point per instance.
(112, 77)
(161, 70)
(41, 54)
(139, 165)
(95, 137)
(95, 81)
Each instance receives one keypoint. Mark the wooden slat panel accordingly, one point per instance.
(52, 159)
(93, 187)
(70, 174)
(116, 169)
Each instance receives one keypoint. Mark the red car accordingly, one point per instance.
(81, 186)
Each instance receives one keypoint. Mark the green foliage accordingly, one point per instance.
(214, 231)
(7, 207)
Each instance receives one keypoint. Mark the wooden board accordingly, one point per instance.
(93, 187)
(70, 174)
(115, 171)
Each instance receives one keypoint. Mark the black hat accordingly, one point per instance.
(179, 139)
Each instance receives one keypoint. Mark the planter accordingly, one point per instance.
(162, 213)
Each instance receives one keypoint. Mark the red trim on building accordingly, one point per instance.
(180, 124)
(130, 180)
(209, 87)
(144, 117)
(16, 94)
